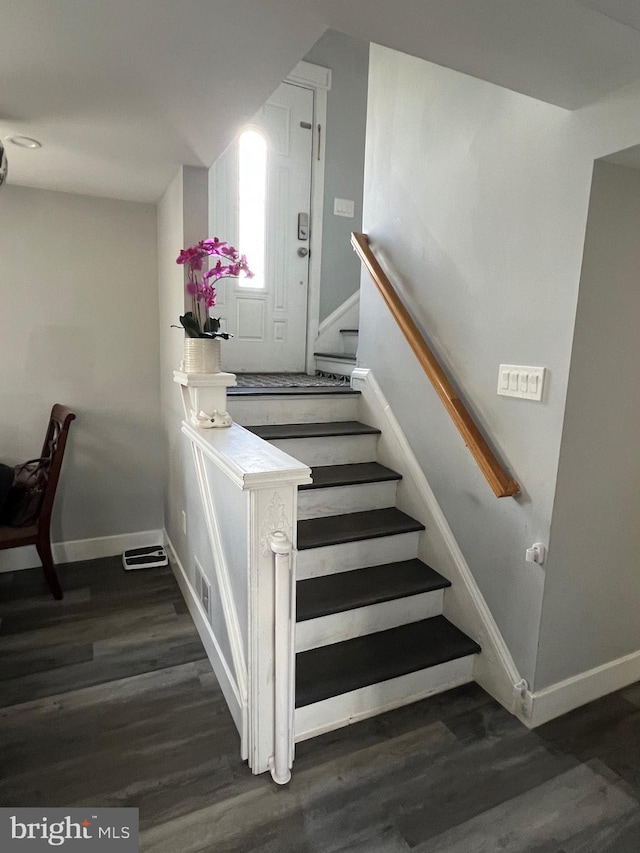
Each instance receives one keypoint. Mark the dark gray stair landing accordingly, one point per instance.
(270, 432)
(291, 391)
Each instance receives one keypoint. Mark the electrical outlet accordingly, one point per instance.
(183, 515)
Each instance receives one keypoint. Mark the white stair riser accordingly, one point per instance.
(255, 411)
(313, 720)
(330, 559)
(337, 627)
(349, 342)
(331, 449)
(314, 503)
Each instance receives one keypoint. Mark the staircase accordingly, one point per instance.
(370, 634)
(339, 362)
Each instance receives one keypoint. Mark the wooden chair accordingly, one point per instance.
(38, 534)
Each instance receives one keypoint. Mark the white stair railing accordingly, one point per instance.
(248, 490)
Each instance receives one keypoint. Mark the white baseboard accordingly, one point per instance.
(76, 550)
(564, 696)
(212, 647)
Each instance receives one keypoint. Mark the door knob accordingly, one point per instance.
(303, 252)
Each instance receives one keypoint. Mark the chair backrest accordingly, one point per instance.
(53, 449)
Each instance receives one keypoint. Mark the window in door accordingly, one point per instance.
(260, 193)
(252, 200)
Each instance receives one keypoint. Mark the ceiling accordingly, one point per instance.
(120, 93)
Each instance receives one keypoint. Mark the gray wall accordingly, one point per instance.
(480, 248)
(171, 295)
(592, 591)
(79, 326)
(348, 59)
(477, 201)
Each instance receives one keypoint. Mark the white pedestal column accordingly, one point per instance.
(204, 398)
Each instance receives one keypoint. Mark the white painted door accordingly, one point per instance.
(261, 192)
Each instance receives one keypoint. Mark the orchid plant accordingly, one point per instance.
(230, 263)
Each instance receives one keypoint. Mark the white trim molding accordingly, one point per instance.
(550, 702)
(464, 605)
(73, 551)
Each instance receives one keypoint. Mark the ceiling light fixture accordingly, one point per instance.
(24, 142)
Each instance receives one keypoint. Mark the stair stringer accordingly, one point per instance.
(464, 605)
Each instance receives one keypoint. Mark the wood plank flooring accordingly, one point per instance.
(107, 699)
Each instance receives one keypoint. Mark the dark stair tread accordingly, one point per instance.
(338, 356)
(353, 474)
(343, 591)
(341, 667)
(273, 431)
(354, 527)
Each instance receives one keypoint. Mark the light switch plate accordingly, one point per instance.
(516, 380)
(343, 207)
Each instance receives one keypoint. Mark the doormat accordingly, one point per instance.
(288, 380)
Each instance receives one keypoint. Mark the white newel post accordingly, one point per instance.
(273, 514)
(204, 398)
(280, 765)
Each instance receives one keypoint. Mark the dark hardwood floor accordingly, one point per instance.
(107, 699)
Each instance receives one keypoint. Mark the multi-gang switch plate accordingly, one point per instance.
(343, 207)
(515, 380)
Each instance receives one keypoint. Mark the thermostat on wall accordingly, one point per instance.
(150, 557)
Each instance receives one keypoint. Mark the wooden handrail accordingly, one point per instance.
(502, 484)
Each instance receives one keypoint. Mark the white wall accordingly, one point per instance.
(476, 198)
(171, 295)
(348, 59)
(79, 326)
(592, 591)
(182, 221)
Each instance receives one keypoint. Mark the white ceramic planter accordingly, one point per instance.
(201, 355)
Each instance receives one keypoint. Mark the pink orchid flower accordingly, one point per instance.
(197, 322)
